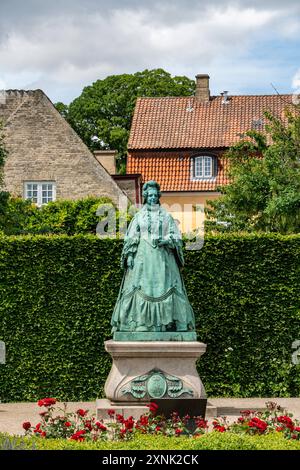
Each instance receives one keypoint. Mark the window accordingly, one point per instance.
(40, 192)
(204, 166)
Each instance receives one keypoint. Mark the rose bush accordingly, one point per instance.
(79, 426)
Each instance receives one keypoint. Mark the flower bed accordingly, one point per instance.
(81, 427)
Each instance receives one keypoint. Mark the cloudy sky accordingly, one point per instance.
(62, 46)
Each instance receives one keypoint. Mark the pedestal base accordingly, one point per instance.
(148, 370)
(103, 406)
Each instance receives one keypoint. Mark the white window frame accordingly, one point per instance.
(37, 188)
(203, 167)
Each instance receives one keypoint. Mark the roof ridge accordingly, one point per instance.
(212, 96)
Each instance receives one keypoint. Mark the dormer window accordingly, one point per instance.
(204, 166)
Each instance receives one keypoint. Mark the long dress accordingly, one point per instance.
(152, 295)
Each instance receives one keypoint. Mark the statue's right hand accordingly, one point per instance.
(130, 262)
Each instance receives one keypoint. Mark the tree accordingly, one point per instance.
(3, 154)
(102, 114)
(264, 194)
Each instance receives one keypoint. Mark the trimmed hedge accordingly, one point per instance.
(57, 295)
(210, 441)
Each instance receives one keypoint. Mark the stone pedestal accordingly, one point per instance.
(153, 369)
(143, 371)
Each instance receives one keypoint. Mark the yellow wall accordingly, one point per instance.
(188, 208)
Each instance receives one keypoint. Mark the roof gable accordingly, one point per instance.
(35, 132)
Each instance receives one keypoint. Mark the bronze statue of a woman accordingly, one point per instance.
(152, 302)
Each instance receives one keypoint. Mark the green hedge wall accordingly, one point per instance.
(57, 294)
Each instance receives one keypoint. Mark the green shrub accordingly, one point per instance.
(57, 295)
(211, 441)
(58, 217)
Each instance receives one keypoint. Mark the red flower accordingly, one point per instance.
(246, 412)
(158, 428)
(201, 423)
(78, 436)
(88, 425)
(43, 434)
(178, 431)
(220, 428)
(120, 418)
(286, 421)
(26, 425)
(101, 426)
(153, 407)
(129, 423)
(67, 424)
(47, 402)
(81, 412)
(258, 424)
(144, 420)
(111, 412)
(297, 429)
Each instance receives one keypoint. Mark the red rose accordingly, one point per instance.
(67, 424)
(153, 407)
(158, 428)
(129, 423)
(26, 425)
(297, 429)
(78, 436)
(201, 423)
(220, 428)
(120, 418)
(47, 402)
(81, 412)
(111, 412)
(178, 431)
(144, 421)
(101, 426)
(287, 421)
(88, 425)
(43, 434)
(258, 424)
(246, 412)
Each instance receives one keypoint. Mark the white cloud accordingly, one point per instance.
(296, 80)
(63, 49)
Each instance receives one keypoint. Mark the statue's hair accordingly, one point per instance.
(150, 185)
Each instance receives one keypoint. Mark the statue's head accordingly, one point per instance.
(151, 193)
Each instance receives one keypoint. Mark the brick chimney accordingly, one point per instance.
(107, 158)
(202, 88)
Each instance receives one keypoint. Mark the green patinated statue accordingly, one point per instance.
(152, 304)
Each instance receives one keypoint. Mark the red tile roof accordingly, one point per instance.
(173, 171)
(184, 122)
